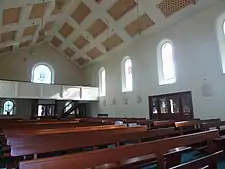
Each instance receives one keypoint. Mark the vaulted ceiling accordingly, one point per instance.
(85, 30)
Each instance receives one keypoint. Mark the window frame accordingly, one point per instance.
(162, 80)
(44, 64)
(13, 110)
(101, 93)
(123, 74)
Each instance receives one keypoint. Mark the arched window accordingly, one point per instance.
(221, 39)
(8, 108)
(224, 28)
(42, 73)
(166, 64)
(127, 77)
(102, 82)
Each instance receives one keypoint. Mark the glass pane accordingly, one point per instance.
(186, 102)
(154, 106)
(41, 110)
(103, 84)
(42, 74)
(128, 75)
(174, 105)
(167, 62)
(8, 108)
(163, 106)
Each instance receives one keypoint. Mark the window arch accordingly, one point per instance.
(102, 82)
(42, 73)
(221, 39)
(127, 77)
(8, 108)
(166, 65)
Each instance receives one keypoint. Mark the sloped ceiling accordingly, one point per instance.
(85, 30)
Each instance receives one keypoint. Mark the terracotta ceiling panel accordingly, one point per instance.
(121, 7)
(25, 44)
(137, 26)
(66, 30)
(11, 16)
(6, 49)
(56, 42)
(94, 53)
(8, 36)
(59, 5)
(169, 7)
(30, 31)
(49, 26)
(112, 42)
(97, 28)
(81, 42)
(38, 10)
(69, 52)
(82, 61)
(80, 13)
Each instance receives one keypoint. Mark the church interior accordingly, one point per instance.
(112, 84)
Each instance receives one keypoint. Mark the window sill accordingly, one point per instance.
(127, 91)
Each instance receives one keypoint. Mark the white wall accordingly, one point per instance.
(14, 67)
(197, 58)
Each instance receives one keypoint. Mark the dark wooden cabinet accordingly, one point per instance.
(173, 106)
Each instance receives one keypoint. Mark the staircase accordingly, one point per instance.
(73, 105)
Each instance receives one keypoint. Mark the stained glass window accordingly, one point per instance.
(8, 108)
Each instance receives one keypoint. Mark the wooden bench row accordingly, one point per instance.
(116, 155)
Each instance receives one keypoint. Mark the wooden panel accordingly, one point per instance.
(81, 61)
(25, 44)
(94, 53)
(97, 28)
(49, 26)
(59, 5)
(56, 42)
(66, 30)
(169, 7)
(69, 52)
(8, 36)
(38, 10)
(121, 7)
(80, 13)
(112, 42)
(139, 25)
(29, 31)
(81, 42)
(11, 15)
(6, 49)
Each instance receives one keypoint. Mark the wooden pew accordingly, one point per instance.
(186, 127)
(34, 145)
(210, 123)
(81, 131)
(163, 124)
(106, 156)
